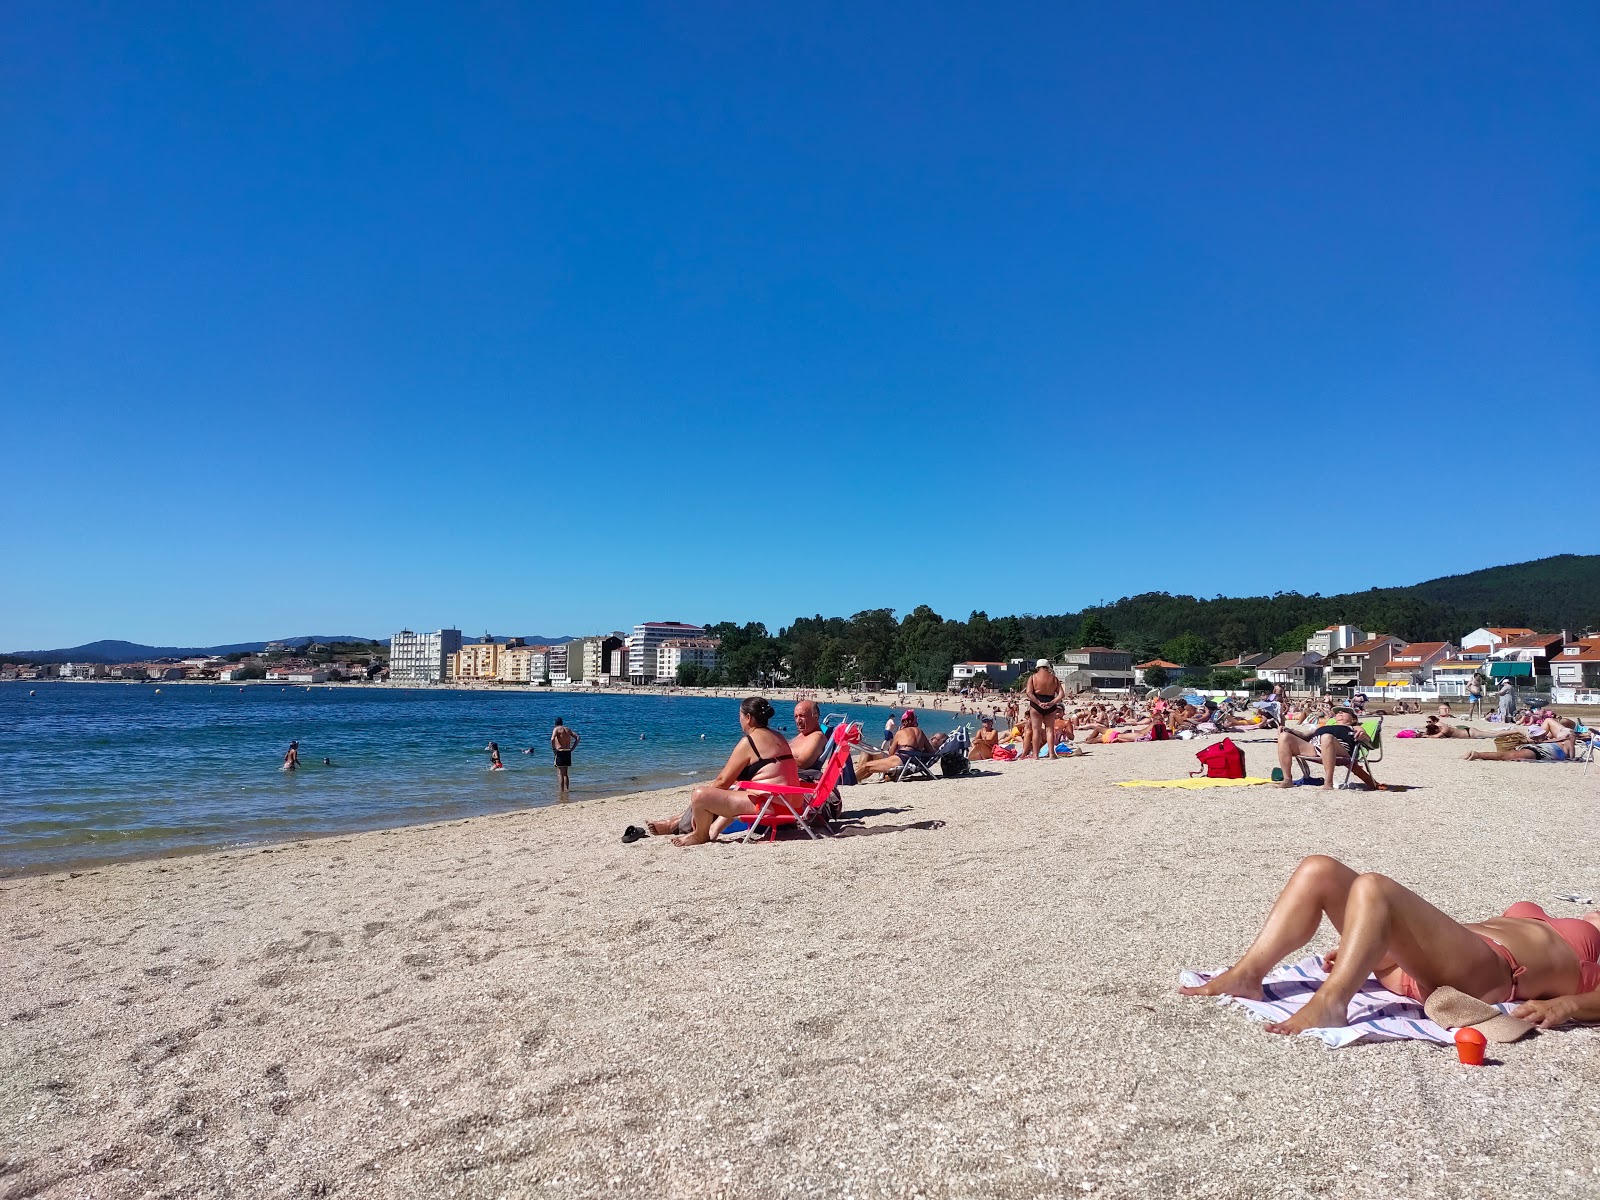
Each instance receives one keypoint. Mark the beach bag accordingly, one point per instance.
(1221, 760)
(951, 765)
(1510, 741)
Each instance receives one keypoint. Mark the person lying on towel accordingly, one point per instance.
(1551, 740)
(1551, 965)
(909, 743)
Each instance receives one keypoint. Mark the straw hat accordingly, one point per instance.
(1457, 1010)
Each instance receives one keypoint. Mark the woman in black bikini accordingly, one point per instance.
(1043, 691)
(761, 756)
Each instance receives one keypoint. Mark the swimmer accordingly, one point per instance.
(494, 757)
(291, 757)
(327, 762)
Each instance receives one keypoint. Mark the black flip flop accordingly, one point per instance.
(632, 834)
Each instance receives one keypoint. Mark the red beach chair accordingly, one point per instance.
(791, 804)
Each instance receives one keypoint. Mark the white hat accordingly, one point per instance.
(1043, 662)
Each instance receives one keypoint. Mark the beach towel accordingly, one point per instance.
(1376, 1014)
(1201, 782)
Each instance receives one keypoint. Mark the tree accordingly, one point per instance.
(1155, 677)
(1226, 679)
(1095, 632)
(1296, 638)
(1194, 652)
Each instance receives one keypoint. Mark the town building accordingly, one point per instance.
(83, 671)
(1171, 669)
(1245, 662)
(1535, 651)
(1335, 637)
(1358, 666)
(678, 652)
(1097, 668)
(1299, 671)
(422, 657)
(1482, 642)
(558, 666)
(479, 660)
(521, 663)
(297, 675)
(1578, 665)
(647, 640)
(594, 656)
(998, 674)
(1412, 665)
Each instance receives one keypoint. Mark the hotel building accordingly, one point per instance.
(422, 657)
(672, 654)
(647, 640)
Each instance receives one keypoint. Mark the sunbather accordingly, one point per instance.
(1552, 741)
(1334, 744)
(909, 743)
(1435, 728)
(1391, 932)
(1045, 703)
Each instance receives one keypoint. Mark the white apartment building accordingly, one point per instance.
(83, 671)
(422, 657)
(647, 640)
(557, 662)
(1327, 642)
(674, 653)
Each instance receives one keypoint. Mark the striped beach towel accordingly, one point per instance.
(1376, 1014)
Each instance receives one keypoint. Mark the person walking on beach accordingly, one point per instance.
(494, 757)
(291, 757)
(1507, 693)
(563, 740)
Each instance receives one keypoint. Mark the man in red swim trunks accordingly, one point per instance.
(1551, 965)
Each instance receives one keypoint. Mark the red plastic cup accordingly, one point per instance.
(1470, 1045)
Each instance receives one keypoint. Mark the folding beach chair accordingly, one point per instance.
(789, 804)
(1364, 755)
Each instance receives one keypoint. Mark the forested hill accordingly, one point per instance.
(1550, 594)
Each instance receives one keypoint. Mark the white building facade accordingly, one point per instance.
(422, 657)
(647, 639)
(676, 652)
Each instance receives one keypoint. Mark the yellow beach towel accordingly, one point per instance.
(1201, 782)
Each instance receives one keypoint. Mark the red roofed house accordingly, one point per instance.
(1358, 665)
(1578, 665)
(1171, 668)
(1480, 643)
(1535, 649)
(1413, 665)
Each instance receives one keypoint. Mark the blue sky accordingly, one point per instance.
(340, 318)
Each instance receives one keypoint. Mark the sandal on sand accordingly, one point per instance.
(632, 834)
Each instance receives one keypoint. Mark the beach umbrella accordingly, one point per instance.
(1173, 692)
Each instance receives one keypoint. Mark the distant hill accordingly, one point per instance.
(123, 652)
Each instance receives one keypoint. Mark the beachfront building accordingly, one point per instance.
(593, 656)
(522, 663)
(83, 671)
(422, 657)
(998, 674)
(1171, 669)
(678, 652)
(1578, 665)
(647, 640)
(479, 661)
(558, 662)
(1097, 668)
(1335, 637)
(1533, 652)
(1412, 665)
(1482, 642)
(306, 675)
(1248, 663)
(1299, 671)
(1357, 666)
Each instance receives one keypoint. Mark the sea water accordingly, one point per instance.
(93, 772)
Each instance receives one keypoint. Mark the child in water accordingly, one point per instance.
(494, 757)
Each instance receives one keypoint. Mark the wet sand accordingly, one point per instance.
(975, 995)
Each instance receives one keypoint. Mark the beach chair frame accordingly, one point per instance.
(1365, 755)
(791, 804)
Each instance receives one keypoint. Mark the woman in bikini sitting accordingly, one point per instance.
(1045, 704)
(909, 742)
(761, 756)
(1391, 932)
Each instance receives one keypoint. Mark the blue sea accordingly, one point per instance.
(99, 772)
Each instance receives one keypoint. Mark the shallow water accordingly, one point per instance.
(98, 772)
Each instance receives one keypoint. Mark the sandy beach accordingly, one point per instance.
(972, 995)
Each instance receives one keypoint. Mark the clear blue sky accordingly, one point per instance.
(322, 318)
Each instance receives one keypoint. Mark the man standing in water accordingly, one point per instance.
(563, 740)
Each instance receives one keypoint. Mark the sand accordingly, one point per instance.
(522, 1005)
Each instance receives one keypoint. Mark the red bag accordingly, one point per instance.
(1221, 760)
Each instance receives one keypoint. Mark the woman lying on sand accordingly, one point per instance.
(1413, 948)
(761, 756)
(1436, 728)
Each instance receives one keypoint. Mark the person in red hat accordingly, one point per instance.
(909, 740)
